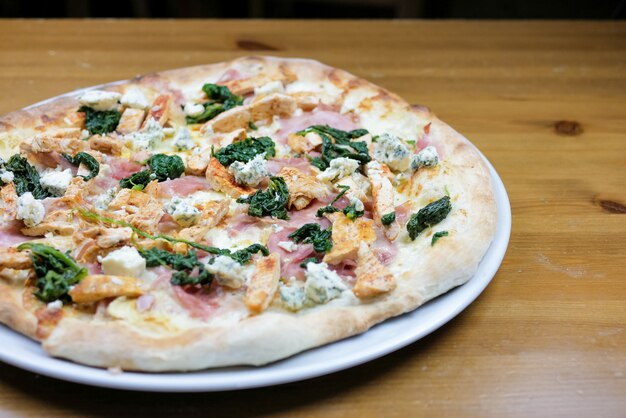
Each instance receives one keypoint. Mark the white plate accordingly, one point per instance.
(382, 339)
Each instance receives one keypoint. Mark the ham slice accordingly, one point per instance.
(319, 117)
(121, 167)
(10, 234)
(183, 186)
(276, 164)
(199, 301)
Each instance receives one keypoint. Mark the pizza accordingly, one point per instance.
(230, 214)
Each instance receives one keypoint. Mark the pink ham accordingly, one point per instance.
(290, 261)
(94, 268)
(403, 212)
(121, 167)
(199, 301)
(141, 156)
(10, 234)
(318, 117)
(426, 140)
(230, 75)
(345, 269)
(145, 303)
(183, 186)
(167, 223)
(385, 250)
(276, 164)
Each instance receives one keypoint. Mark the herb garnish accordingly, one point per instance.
(56, 272)
(438, 235)
(337, 143)
(100, 122)
(311, 233)
(388, 218)
(245, 150)
(88, 160)
(350, 211)
(220, 100)
(269, 202)
(428, 216)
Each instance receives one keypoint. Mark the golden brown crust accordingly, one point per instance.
(275, 333)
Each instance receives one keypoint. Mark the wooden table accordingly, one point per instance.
(545, 102)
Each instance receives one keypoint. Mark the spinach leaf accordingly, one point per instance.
(56, 272)
(269, 202)
(428, 216)
(308, 260)
(313, 234)
(337, 143)
(189, 271)
(26, 178)
(438, 235)
(388, 218)
(161, 167)
(100, 122)
(220, 100)
(352, 213)
(246, 150)
(166, 166)
(83, 158)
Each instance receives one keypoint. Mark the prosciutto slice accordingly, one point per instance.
(183, 186)
(319, 117)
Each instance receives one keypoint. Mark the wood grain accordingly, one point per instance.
(545, 102)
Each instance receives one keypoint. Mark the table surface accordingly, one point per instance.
(544, 101)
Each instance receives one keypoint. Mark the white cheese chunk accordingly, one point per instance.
(393, 152)
(183, 140)
(193, 109)
(339, 168)
(56, 182)
(293, 297)
(183, 212)
(100, 100)
(227, 271)
(135, 98)
(269, 88)
(250, 173)
(6, 176)
(124, 262)
(427, 157)
(29, 210)
(322, 284)
(147, 138)
(54, 306)
(288, 246)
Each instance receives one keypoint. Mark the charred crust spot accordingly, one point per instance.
(568, 128)
(610, 206)
(248, 45)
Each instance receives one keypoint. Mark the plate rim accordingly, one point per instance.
(210, 380)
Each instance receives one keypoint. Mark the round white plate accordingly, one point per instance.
(382, 339)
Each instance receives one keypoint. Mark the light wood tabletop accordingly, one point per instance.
(544, 101)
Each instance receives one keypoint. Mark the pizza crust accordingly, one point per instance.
(277, 334)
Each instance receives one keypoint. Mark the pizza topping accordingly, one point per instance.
(101, 286)
(87, 160)
(6, 176)
(228, 271)
(263, 283)
(29, 210)
(388, 218)
(124, 262)
(353, 210)
(304, 144)
(269, 88)
(322, 285)
(250, 173)
(25, 177)
(359, 186)
(150, 135)
(428, 216)
(99, 100)
(10, 258)
(162, 167)
(288, 246)
(427, 157)
(100, 121)
(56, 272)
(130, 121)
(338, 168)
(182, 140)
(346, 237)
(383, 195)
(184, 213)
(302, 187)
(292, 296)
(246, 150)
(438, 235)
(55, 182)
(222, 180)
(392, 151)
(312, 233)
(372, 278)
(337, 143)
(269, 202)
(220, 100)
(189, 270)
(134, 98)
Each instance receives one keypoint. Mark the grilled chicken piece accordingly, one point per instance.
(59, 222)
(372, 278)
(359, 186)
(304, 144)
(212, 214)
(101, 286)
(131, 120)
(8, 201)
(244, 86)
(222, 180)
(53, 143)
(347, 235)
(383, 195)
(160, 109)
(106, 144)
(302, 187)
(263, 284)
(239, 117)
(10, 258)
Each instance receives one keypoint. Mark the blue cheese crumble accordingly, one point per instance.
(55, 181)
(29, 210)
(427, 157)
(339, 168)
(292, 297)
(182, 140)
(183, 212)
(393, 152)
(250, 173)
(322, 285)
(227, 271)
(147, 138)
